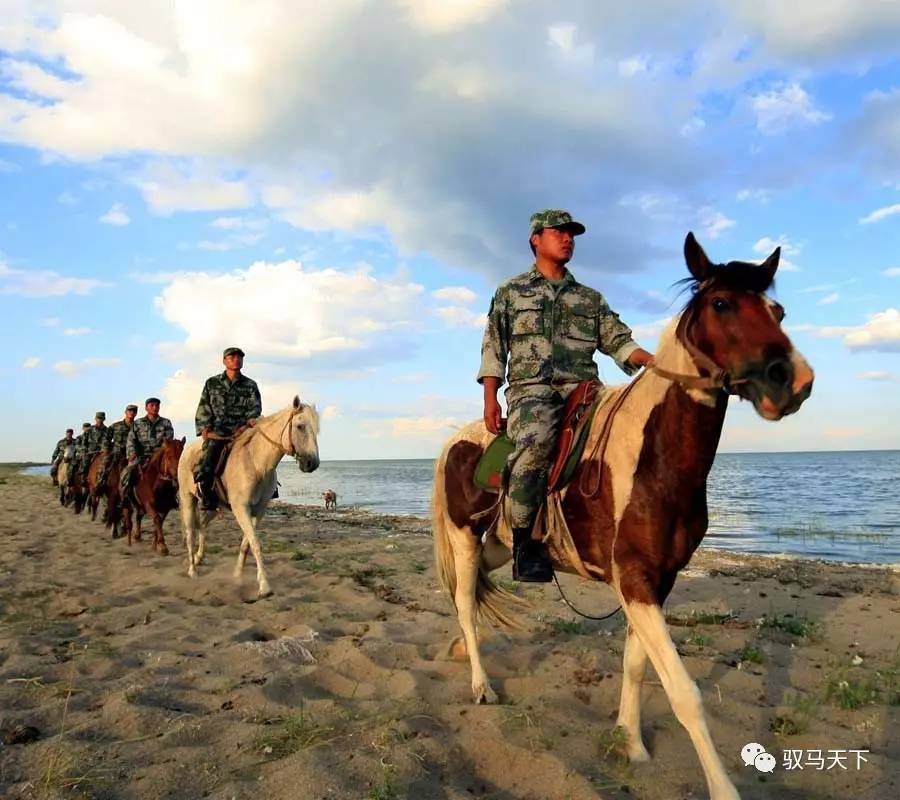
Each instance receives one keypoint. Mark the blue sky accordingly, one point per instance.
(339, 191)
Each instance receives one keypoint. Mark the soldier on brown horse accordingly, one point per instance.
(636, 508)
(155, 492)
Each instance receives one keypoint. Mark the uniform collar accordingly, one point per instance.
(534, 276)
(224, 377)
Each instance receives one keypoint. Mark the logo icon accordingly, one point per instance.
(755, 754)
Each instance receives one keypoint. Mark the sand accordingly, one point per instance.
(138, 682)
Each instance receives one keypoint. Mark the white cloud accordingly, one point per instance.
(72, 369)
(631, 66)
(43, 283)
(761, 196)
(766, 245)
(461, 317)
(876, 375)
(447, 16)
(829, 299)
(77, 331)
(50, 322)
(785, 107)
(31, 363)
(693, 126)
(880, 333)
(239, 223)
(561, 38)
(330, 412)
(892, 272)
(714, 223)
(115, 216)
(196, 187)
(455, 294)
(286, 314)
(880, 214)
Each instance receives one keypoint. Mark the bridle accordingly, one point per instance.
(293, 450)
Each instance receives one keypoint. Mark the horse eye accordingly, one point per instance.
(720, 304)
(779, 312)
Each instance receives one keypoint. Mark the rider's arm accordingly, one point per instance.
(615, 340)
(203, 419)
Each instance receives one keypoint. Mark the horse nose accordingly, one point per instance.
(779, 373)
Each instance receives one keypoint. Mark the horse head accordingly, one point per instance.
(169, 455)
(730, 327)
(302, 432)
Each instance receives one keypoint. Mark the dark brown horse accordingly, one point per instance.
(636, 509)
(117, 512)
(92, 491)
(156, 492)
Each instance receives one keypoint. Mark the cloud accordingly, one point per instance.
(78, 331)
(892, 272)
(766, 245)
(330, 412)
(829, 299)
(447, 16)
(455, 294)
(880, 333)
(115, 216)
(239, 223)
(875, 134)
(561, 38)
(66, 199)
(50, 322)
(631, 66)
(43, 283)
(876, 375)
(193, 187)
(285, 314)
(461, 317)
(72, 369)
(880, 214)
(785, 107)
(761, 196)
(714, 223)
(31, 363)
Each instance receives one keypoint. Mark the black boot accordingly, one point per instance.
(209, 500)
(530, 562)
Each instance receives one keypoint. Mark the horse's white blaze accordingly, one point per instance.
(649, 624)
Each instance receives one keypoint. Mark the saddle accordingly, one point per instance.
(219, 470)
(491, 471)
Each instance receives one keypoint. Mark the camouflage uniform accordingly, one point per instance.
(58, 452)
(114, 448)
(549, 333)
(146, 436)
(93, 441)
(224, 406)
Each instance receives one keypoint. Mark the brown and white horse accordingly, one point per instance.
(637, 507)
(156, 492)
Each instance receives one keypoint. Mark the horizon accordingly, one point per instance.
(369, 181)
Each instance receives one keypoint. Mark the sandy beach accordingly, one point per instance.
(120, 677)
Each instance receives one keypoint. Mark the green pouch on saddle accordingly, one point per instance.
(490, 473)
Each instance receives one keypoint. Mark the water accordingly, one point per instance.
(838, 506)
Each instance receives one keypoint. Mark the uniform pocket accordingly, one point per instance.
(582, 326)
(527, 317)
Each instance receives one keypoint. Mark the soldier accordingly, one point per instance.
(58, 452)
(93, 442)
(79, 446)
(229, 401)
(146, 435)
(549, 326)
(116, 443)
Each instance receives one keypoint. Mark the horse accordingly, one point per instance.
(117, 512)
(95, 469)
(64, 473)
(330, 498)
(155, 492)
(249, 480)
(636, 508)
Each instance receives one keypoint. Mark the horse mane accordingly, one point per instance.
(245, 436)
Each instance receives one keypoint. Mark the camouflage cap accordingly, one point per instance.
(231, 351)
(85, 425)
(69, 430)
(100, 415)
(131, 407)
(152, 400)
(554, 218)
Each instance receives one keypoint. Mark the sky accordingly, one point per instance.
(337, 188)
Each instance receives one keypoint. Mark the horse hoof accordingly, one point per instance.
(485, 695)
(163, 551)
(638, 755)
(264, 591)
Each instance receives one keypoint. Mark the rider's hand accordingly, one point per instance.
(204, 434)
(493, 416)
(251, 423)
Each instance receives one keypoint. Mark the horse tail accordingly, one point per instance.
(493, 604)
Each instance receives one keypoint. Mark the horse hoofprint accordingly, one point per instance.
(641, 511)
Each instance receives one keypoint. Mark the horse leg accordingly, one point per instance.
(242, 516)
(188, 520)
(242, 557)
(634, 664)
(159, 540)
(649, 624)
(467, 555)
(138, 517)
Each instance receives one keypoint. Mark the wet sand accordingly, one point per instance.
(139, 682)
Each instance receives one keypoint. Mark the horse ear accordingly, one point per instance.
(771, 264)
(697, 262)
(296, 401)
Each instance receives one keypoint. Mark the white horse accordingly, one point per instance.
(64, 472)
(249, 480)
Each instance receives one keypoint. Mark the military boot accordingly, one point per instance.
(530, 561)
